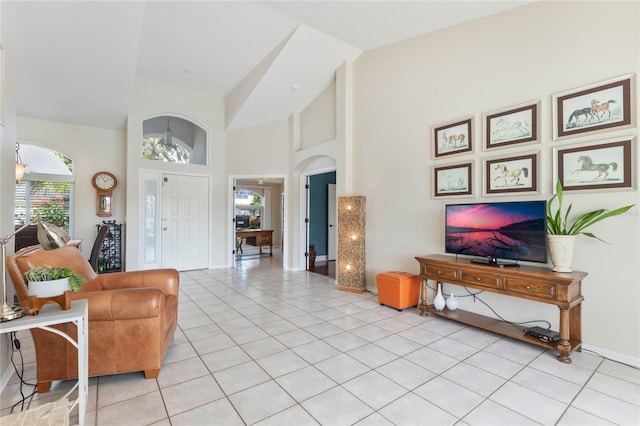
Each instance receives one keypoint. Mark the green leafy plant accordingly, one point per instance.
(558, 222)
(50, 273)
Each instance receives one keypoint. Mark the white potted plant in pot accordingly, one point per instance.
(50, 281)
(561, 232)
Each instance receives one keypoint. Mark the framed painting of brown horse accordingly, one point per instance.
(452, 138)
(603, 106)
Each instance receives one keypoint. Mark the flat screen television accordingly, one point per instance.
(511, 231)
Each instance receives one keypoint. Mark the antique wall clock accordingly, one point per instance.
(104, 183)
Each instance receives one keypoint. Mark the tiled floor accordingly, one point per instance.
(259, 345)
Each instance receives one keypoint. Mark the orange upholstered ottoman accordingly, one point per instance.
(398, 289)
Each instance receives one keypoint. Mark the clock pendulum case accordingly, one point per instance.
(104, 183)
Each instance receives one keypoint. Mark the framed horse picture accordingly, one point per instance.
(602, 106)
(453, 180)
(515, 125)
(507, 175)
(600, 165)
(453, 138)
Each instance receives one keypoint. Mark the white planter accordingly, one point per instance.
(561, 251)
(49, 288)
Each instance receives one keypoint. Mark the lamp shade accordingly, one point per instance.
(20, 169)
(50, 236)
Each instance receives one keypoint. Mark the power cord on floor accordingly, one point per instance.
(15, 344)
(475, 297)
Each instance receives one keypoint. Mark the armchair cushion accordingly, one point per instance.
(132, 317)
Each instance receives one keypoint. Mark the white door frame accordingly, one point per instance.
(231, 230)
(157, 176)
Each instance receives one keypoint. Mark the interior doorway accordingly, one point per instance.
(257, 219)
(321, 222)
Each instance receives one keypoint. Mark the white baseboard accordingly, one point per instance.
(613, 356)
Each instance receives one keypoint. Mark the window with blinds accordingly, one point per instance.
(46, 190)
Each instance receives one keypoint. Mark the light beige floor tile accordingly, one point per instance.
(449, 396)
(305, 383)
(241, 377)
(141, 410)
(316, 351)
(282, 363)
(253, 405)
(575, 417)
(410, 409)
(122, 387)
(295, 415)
(181, 371)
(186, 396)
(494, 414)
(546, 384)
(529, 403)
(217, 412)
(607, 407)
(620, 371)
(345, 409)
(342, 368)
(474, 379)
(406, 373)
(374, 389)
(225, 358)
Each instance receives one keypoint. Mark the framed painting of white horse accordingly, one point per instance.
(515, 125)
(603, 106)
(506, 175)
(598, 166)
(453, 180)
(452, 138)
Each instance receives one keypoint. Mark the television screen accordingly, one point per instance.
(508, 230)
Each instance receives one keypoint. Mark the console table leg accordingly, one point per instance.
(564, 346)
(422, 309)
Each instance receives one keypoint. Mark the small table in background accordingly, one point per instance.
(264, 237)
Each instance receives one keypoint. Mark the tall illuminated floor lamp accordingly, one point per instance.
(50, 237)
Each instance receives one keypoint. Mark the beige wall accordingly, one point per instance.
(402, 90)
(152, 98)
(92, 150)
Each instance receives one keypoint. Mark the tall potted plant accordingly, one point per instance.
(561, 233)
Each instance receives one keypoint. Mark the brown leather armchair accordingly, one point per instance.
(132, 317)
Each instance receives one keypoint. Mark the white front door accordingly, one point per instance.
(332, 215)
(185, 222)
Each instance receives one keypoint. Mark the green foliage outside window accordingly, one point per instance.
(158, 149)
(52, 212)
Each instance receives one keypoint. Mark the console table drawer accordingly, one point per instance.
(441, 273)
(480, 279)
(531, 287)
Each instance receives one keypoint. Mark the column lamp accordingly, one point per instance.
(351, 267)
(49, 237)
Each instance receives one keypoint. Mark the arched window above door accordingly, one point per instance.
(174, 140)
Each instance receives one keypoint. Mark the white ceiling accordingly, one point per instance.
(78, 60)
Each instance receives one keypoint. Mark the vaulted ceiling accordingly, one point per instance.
(78, 60)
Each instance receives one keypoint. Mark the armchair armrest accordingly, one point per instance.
(123, 304)
(165, 279)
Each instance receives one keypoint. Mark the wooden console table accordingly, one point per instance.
(264, 237)
(526, 282)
